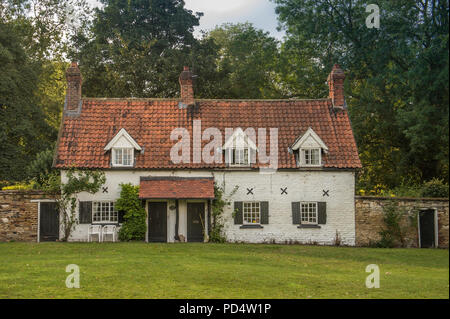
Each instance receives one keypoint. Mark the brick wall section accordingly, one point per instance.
(18, 215)
(369, 218)
(74, 82)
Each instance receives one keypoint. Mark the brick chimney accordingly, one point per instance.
(336, 85)
(187, 89)
(73, 93)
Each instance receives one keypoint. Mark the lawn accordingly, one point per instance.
(140, 270)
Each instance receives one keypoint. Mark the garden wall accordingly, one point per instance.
(19, 215)
(369, 218)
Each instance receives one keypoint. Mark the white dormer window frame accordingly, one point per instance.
(122, 155)
(239, 155)
(309, 156)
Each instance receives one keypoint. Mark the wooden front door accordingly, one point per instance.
(48, 221)
(157, 222)
(195, 218)
(427, 231)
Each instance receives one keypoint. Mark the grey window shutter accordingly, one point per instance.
(85, 214)
(296, 220)
(238, 217)
(322, 213)
(264, 206)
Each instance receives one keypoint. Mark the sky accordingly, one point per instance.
(216, 12)
(259, 12)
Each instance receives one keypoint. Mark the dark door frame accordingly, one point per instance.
(436, 230)
(203, 216)
(147, 203)
(39, 201)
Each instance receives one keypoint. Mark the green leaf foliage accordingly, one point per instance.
(23, 129)
(134, 226)
(397, 82)
(435, 188)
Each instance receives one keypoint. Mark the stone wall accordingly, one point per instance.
(18, 215)
(369, 218)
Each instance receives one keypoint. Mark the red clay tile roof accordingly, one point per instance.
(150, 121)
(176, 187)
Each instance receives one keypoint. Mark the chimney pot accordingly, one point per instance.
(336, 86)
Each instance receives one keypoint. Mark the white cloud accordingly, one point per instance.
(259, 12)
(216, 12)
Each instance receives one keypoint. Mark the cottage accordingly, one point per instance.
(293, 163)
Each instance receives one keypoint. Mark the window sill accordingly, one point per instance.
(308, 166)
(250, 226)
(239, 166)
(308, 226)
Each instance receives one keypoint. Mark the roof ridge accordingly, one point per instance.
(178, 99)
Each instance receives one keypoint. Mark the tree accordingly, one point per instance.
(34, 37)
(65, 193)
(135, 48)
(23, 129)
(246, 63)
(397, 83)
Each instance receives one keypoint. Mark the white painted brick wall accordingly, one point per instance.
(301, 186)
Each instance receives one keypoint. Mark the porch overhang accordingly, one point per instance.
(176, 188)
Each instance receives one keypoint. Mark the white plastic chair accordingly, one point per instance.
(95, 230)
(109, 230)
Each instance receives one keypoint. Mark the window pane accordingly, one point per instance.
(251, 213)
(311, 156)
(104, 212)
(309, 213)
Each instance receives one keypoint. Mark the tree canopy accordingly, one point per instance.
(397, 86)
(397, 83)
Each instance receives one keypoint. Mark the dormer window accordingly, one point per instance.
(239, 149)
(240, 156)
(122, 157)
(310, 157)
(122, 148)
(309, 148)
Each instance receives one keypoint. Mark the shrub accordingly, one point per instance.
(393, 234)
(133, 227)
(41, 167)
(19, 187)
(435, 188)
(216, 234)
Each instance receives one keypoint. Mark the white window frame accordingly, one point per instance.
(113, 154)
(316, 212)
(105, 221)
(232, 155)
(251, 212)
(302, 155)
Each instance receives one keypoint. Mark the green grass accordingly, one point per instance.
(140, 270)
